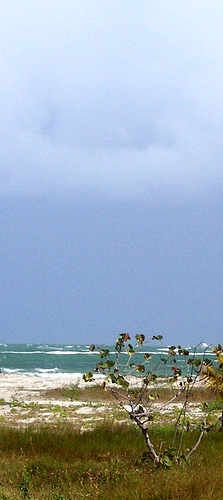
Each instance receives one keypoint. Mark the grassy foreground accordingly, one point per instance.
(62, 464)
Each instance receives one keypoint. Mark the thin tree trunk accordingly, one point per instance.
(196, 445)
(149, 445)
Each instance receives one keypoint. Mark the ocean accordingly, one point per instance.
(56, 360)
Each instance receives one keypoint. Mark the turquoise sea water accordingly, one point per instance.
(45, 360)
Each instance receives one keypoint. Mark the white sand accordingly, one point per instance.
(23, 401)
(24, 387)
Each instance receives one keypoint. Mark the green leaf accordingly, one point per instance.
(140, 338)
(146, 380)
(207, 362)
(177, 371)
(140, 368)
(102, 366)
(185, 352)
(171, 351)
(110, 364)
(105, 366)
(147, 356)
(151, 397)
(104, 353)
(130, 351)
(197, 362)
(157, 337)
(190, 361)
(88, 377)
(166, 461)
(194, 361)
(113, 378)
(122, 382)
(119, 344)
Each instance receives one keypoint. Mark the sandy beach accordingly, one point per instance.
(28, 388)
(24, 387)
(26, 400)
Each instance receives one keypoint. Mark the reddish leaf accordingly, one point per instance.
(126, 337)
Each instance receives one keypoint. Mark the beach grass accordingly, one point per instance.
(73, 392)
(95, 394)
(83, 452)
(61, 463)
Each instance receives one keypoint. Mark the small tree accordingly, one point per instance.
(133, 384)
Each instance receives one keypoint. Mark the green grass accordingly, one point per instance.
(59, 463)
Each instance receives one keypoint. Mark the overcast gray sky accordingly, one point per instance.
(111, 172)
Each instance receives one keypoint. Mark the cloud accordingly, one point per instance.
(113, 97)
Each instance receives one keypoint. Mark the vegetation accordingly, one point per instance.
(140, 403)
(62, 464)
(214, 377)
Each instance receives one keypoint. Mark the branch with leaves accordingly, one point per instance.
(213, 377)
(133, 383)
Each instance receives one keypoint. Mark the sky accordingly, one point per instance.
(111, 175)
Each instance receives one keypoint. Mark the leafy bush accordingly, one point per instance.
(133, 384)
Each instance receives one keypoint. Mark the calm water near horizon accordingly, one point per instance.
(46, 360)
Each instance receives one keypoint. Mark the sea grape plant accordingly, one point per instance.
(213, 376)
(133, 379)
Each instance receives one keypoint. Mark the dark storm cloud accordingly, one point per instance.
(111, 169)
(115, 97)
